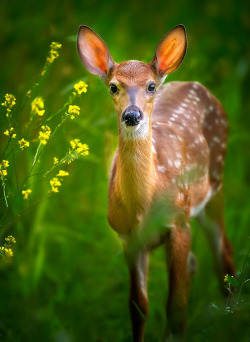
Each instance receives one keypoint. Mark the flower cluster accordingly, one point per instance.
(73, 110)
(3, 166)
(23, 143)
(80, 87)
(53, 54)
(62, 173)
(9, 102)
(6, 250)
(9, 132)
(55, 183)
(37, 106)
(44, 134)
(77, 149)
(26, 193)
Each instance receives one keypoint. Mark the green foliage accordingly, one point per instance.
(67, 279)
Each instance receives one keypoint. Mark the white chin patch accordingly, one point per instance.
(139, 131)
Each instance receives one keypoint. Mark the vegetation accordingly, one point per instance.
(62, 269)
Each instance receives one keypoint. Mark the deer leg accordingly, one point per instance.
(179, 274)
(138, 300)
(211, 220)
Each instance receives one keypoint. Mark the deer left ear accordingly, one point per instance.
(93, 52)
(170, 51)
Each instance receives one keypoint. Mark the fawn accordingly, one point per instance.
(170, 155)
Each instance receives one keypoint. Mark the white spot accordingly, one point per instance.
(211, 108)
(153, 140)
(180, 196)
(161, 168)
(195, 85)
(153, 149)
(177, 163)
(170, 163)
(178, 155)
(216, 139)
(173, 180)
(219, 158)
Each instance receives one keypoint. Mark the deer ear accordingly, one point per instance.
(170, 51)
(93, 52)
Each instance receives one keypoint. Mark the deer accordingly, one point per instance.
(172, 141)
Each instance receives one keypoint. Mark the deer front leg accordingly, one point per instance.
(178, 248)
(138, 300)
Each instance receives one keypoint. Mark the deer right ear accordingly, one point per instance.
(170, 51)
(93, 52)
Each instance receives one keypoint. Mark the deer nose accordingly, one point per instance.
(132, 116)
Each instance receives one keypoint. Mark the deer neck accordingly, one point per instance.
(136, 172)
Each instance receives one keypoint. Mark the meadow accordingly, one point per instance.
(63, 276)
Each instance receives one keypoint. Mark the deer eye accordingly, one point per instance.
(152, 87)
(113, 88)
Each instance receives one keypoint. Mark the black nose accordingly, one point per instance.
(132, 116)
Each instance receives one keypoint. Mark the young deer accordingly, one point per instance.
(170, 155)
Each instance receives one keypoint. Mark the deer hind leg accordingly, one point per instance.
(138, 300)
(179, 278)
(211, 220)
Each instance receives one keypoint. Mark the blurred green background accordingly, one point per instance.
(68, 280)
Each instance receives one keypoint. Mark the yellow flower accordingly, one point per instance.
(78, 149)
(8, 252)
(3, 165)
(10, 239)
(9, 132)
(62, 173)
(80, 87)
(226, 278)
(55, 183)
(23, 143)
(26, 193)
(44, 134)
(53, 54)
(3, 173)
(73, 110)
(37, 106)
(10, 101)
(55, 160)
